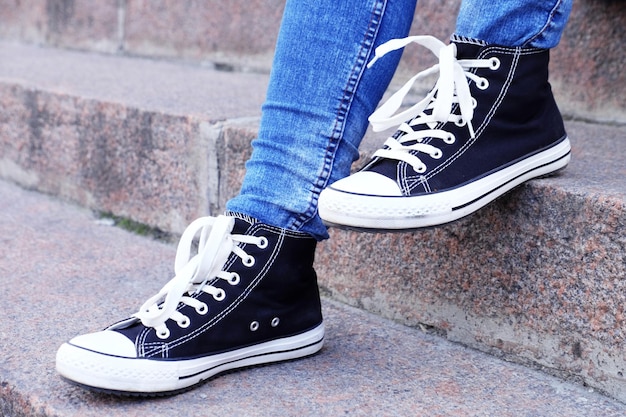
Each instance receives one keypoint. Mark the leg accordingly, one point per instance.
(514, 23)
(248, 294)
(318, 101)
(489, 124)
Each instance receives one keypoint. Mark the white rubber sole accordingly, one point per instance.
(362, 211)
(139, 376)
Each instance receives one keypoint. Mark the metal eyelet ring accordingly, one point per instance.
(202, 309)
(184, 323)
(437, 154)
(163, 333)
(220, 295)
(482, 84)
(254, 326)
(450, 139)
(495, 63)
(262, 242)
(234, 278)
(421, 169)
(275, 322)
(249, 261)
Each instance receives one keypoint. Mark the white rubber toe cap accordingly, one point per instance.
(368, 183)
(107, 342)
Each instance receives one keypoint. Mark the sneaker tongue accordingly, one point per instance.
(242, 222)
(467, 48)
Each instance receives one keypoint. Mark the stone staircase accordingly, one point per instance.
(145, 110)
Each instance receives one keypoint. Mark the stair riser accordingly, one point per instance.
(151, 167)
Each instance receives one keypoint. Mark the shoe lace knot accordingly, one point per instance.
(196, 270)
(451, 91)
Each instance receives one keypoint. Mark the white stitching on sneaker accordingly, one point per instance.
(194, 272)
(515, 53)
(146, 349)
(451, 90)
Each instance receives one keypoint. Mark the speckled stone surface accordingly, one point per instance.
(65, 273)
(235, 31)
(587, 67)
(119, 134)
(540, 275)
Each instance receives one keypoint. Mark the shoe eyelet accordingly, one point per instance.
(184, 323)
(437, 154)
(421, 169)
(494, 63)
(163, 333)
(234, 278)
(262, 242)
(450, 139)
(220, 295)
(202, 309)
(482, 84)
(254, 326)
(275, 322)
(474, 103)
(249, 261)
(460, 122)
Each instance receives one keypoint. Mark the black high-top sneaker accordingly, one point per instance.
(249, 296)
(489, 124)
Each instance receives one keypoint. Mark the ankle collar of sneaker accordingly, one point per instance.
(241, 216)
(464, 39)
(252, 221)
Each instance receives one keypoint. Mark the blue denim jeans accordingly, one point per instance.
(321, 93)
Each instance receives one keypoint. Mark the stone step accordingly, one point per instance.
(586, 70)
(537, 277)
(66, 272)
(121, 134)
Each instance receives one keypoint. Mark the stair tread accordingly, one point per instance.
(65, 273)
(149, 84)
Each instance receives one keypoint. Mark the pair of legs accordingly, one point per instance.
(321, 93)
(248, 293)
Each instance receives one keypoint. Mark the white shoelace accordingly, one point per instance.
(193, 272)
(451, 88)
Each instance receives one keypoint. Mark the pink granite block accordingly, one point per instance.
(106, 156)
(169, 87)
(196, 29)
(130, 136)
(83, 24)
(23, 20)
(77, 24)
(588, 66)
(236, 142)
(435, 18)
